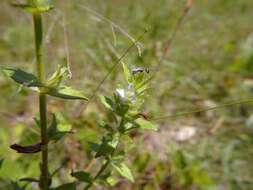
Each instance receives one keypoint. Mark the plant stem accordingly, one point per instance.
(102, 169)
(38, 30)
(203, 110)
(104, 166)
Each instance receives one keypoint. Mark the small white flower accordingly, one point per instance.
(121, 93)
(128, 94)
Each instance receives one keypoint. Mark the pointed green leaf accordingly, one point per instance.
(82, 176)
(22, 77)
(37, 121)
(34, 9)
(37, 3)
(53, 133)
(121, 103)
(59, 135)
(66, 92)
(107, 179)
(104, 149)
(108, 103)
(58, 76)
(127, 73)
(123, 171)
(143, 86)
(144, 124)
(117, 105)
(67, 186)
(107, 146)
(52, 129)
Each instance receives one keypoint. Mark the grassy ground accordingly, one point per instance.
(210, 63)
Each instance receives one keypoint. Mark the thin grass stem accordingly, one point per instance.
(202, 110)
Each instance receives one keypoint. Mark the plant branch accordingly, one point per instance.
(108, 161)
(101, 170)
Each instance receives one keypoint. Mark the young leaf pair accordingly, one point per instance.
(52, 87)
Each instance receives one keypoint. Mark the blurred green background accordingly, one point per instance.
(210, 63)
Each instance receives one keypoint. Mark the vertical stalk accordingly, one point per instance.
(38, 30)
(99, 173)
(106, 164)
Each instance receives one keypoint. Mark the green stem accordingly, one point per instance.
(203, 110)
(105, 165)
(38, 30)
(101, 170)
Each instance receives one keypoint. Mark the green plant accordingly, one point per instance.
(176, 71)
(53, 87)
(125, 115)
(124, 110)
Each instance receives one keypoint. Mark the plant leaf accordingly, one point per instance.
(123, 170)
(111, 181)
(52, 129)
(33, 9)
(67, 186)
(144, 124)
(29, 180)
(22, 77)
(58, 76)
(107, 146)
(82, 176)
(53, 132)
(117, 105)
(127, 73)
(59, 135)
(107, 102)
(121, 105)
(66, 92)
(30, 149)
(103, 149)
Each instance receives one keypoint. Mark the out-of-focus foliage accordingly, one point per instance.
(210, 63)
